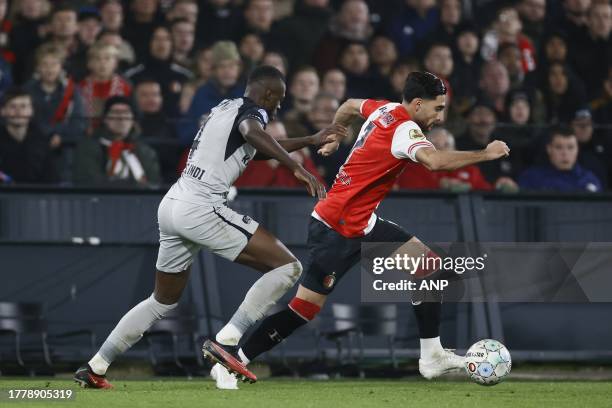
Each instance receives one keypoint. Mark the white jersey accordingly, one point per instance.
(219, 153)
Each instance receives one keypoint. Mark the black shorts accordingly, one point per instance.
(331, 255)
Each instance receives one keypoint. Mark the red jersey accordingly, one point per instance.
(385, 140)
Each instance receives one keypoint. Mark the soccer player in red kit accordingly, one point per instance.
(390, 136)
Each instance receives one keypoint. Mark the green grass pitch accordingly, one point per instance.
(288, 393)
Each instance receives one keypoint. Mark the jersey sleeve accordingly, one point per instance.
(407, 140)
(370, 105)
(253, 112)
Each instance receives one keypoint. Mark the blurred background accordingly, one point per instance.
(100, 102)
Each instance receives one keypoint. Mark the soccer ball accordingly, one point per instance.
(488, 362)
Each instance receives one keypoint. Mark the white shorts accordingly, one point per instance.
(185, 228)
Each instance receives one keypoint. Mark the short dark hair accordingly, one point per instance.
(559, 130)
(13, 93)
(423, 85)
(265, 72)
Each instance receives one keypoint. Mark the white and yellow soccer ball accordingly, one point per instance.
(488, 362)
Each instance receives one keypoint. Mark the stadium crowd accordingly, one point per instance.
(112, 92)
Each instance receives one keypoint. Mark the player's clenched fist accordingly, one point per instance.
(497, 149)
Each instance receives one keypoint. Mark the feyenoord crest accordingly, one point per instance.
(329, 280)
(415, 134)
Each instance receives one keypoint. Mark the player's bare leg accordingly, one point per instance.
(168, 290)
(281, 269)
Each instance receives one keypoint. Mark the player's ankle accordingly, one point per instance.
(98, 365)
(430, 348)
(245, 360)
(229, 335)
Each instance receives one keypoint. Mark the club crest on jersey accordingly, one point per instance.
(415, 134)
(246, 219)
(329, 281)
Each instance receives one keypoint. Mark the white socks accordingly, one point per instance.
(128, 331)
(264, 293)
(430, 348)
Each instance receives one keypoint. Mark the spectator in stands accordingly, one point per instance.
(251, 49)
(258, 17)
(89, 28)
(60, 113)
(593, 150)
(399, 73)
(467, 65)
(507, 28)
(563, 94)
(383, 54)
(111, 13)
(25, 155)
(481, 123)
(270, 173)
(303, 88)
(574, 19)
(517, 129)
(28, 33)
(361, 80)
(6, 26)
(156, 127)
(596, 45)
(159, 65)
(224, 83)
(203, 71)
(413, 24)
(125, 51)
(6, 76)
(114, 155)
(494, 84)
(217, 20)
(298, 35)
(63, 32)
(450, 19)
(334, 83)
(533, 19)
(141, 22)
(351, 23)
(183, 40)
(562, 173)
(103, 80)
(184, 9)
(439, 61)
(417, 176)
(602, 106)
(89, 25)
(276, 60)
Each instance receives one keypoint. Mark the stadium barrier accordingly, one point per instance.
(89, 255)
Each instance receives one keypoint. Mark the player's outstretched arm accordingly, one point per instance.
(347, 111)
(344, 115)
(437, 160)
(327, 135)
(253, 133)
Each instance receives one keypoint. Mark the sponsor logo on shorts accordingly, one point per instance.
(246, 219)
(329, 281)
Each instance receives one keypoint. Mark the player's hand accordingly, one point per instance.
(330, 138)
(497, 149)
(330, 134)
(314, 186)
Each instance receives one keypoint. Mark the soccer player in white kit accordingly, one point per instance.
(194, 215)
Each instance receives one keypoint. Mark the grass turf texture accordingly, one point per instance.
(342, 393)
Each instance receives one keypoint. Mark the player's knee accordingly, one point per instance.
(305, 309)
(290, 273)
